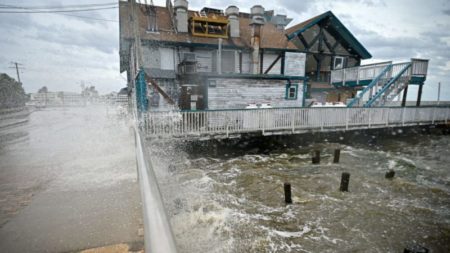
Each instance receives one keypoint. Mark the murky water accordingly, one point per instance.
(233, 201)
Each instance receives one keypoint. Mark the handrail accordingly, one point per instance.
(224, 124)
(158, 235)
(368, 87)
(386, 86)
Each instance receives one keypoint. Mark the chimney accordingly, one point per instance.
(233, 12)
(257, 14)
(281, 21)
(181, 15)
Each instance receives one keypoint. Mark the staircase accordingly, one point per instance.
(382, 82)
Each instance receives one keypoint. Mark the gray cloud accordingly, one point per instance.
(446, 12)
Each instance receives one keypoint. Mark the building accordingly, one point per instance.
(226, 59)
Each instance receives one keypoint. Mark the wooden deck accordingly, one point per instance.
(284, 121)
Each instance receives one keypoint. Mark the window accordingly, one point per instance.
(338, 62)
(291, 91)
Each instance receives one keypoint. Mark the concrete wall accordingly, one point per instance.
(238, 93)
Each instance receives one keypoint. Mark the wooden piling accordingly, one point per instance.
(316, 157)
(390, 174)
(345, 179)
(287, 193)
(337, 155)
(415, 249)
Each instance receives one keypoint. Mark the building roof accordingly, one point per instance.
(335, 28)
(271, 37)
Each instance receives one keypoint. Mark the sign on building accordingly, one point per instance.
(295, 64)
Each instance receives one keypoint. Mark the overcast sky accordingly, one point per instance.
(62, 51)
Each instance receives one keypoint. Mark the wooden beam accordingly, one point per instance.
(313, 41)
(283, 57)
(160, 90)
(261, 61)
(272, 64)
(303, 40)
(320, 46)
(327, 43)
(336, 43)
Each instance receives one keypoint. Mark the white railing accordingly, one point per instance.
(158, 235)
(285, 120)
(419, 67)
(356, 74)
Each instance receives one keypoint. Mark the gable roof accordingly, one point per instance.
(335, 28)
(271, 37)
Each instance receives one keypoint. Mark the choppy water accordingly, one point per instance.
(233, 201)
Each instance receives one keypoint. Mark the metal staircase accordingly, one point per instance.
(382, 82)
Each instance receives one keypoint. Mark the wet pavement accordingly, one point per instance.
(68, 182)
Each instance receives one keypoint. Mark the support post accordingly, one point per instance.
(403, 116)
(316, 157)
(345, 180)
(387, 116)
(346, 118)
(287, 193)
(390, 174)
(419, 95)
(337, 155)
(405, 93)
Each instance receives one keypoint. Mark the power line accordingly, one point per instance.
(7, 6)
(65, 14)
(60, 11)
(98, 19)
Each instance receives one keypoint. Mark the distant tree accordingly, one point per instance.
(11, 92)
(43, 90)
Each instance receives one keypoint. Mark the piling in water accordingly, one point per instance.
(415, 249)
(345, 179)
(390, 174)
(316, 157)
(337, 155)
(287, 193)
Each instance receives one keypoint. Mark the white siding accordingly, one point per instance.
(238, 93)
(269, 58)
(204, 60)
(246, 63)
(151, 57)
(167, 58)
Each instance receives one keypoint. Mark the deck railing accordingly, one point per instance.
(285, 120)
(358, 74)
(362, 75)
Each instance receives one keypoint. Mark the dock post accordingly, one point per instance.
(390, 174)
(345, 179)
(337, 155)
(415, 249)
(287, 193)
(316, 157)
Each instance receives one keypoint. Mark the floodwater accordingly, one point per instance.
(68, 182)
(228, 197)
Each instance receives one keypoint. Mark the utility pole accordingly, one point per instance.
(16, 66)
(439, 93)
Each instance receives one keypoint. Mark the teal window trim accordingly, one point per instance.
(288, 87)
